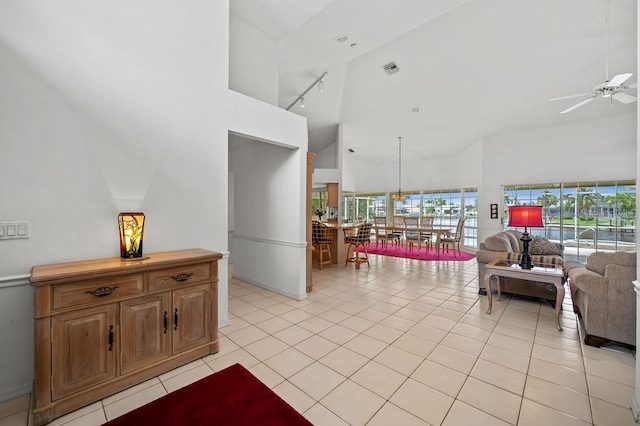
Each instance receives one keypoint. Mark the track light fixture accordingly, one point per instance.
(320, 85)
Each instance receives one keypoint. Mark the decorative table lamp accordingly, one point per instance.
(131, 232)
(528, 217)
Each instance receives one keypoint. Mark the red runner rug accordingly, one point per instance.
(404, 252)
(232, 396)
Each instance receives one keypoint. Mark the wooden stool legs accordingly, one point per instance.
(320, 250)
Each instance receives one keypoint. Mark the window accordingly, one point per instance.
(447, 205)
(408, 207)
(361, 207)
(584, 216)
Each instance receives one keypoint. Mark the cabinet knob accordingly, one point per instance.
(182, 277)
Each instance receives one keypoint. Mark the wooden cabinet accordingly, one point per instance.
(145, 334)
(332, 195)
(104, 325)
(83, 352)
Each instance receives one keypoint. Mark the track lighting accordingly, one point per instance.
(300, 98)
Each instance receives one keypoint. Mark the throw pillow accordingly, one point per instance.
(540, 245)
(497, 242)
(536, 260)
(514, 237)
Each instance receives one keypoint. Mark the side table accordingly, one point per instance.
(503, 268)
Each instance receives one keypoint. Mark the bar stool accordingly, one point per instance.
(357, 236)
(321, 238)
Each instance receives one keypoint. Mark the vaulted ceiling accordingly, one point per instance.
(470, 68)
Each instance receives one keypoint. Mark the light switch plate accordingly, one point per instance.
(18, 230)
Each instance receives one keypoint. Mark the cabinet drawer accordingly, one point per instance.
(98, 290)
(179, 275)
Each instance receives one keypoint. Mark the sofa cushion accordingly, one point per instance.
(498, 242)
(598, 261)
(541, 245)
(571, 264)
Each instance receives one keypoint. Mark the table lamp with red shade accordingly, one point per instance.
(527, 217)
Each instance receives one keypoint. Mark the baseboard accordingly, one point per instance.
(635, 409)
(16, 391)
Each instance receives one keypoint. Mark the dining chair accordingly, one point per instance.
(357, 236)
(455, 239)
(412, 232)
(321, 238)
(426, 230)
(382, 233)
(398, 229)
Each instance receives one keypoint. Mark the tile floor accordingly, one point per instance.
(405, 343)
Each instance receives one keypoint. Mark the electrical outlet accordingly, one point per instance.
(15, 230)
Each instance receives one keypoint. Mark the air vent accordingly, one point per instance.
(391, 68)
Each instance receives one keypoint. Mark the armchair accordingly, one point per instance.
(603, 294)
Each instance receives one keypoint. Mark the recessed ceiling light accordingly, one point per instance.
(341, 38)
(354, 45)
(416, 109)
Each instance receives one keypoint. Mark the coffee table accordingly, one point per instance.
(503, 268)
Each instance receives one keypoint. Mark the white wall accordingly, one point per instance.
(327, 158)
(321, 177)
(102, 111)
(253, 62)
(603, 149)
(268, 159)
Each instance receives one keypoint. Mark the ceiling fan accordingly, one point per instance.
(613, 89)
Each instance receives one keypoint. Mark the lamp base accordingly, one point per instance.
(134, 259)
(525, 261)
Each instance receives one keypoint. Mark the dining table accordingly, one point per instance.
(438, 230)
(338, 248)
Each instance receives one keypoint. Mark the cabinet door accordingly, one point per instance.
(84, 349)
(145, 336)
(192, 317)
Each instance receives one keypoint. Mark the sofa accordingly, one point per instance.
(507, 245)
(604, 297)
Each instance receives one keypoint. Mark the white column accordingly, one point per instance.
(635, 404)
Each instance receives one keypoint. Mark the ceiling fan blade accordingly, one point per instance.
(632, 85)
(625, 98)
(569, 97)
(578, 105)
(619, 79)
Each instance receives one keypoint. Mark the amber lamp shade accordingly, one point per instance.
(131, 227)
(527, 217)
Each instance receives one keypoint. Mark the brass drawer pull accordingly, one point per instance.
(102, 291)
(182, 277)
